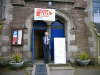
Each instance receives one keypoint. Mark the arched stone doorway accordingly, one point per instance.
(56, 30)
(64, 20)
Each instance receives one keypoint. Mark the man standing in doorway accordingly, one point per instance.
(46, 43)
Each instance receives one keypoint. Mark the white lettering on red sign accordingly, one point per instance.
(44, 14)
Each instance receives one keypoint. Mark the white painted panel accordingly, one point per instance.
(59, 51)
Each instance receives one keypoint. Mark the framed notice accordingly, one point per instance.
(17, 35)
(59, 51)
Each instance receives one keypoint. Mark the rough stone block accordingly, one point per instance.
(25, 48)
(72, 37)
(4, 49)
(73, 48)
(91, 44)
(25, 41)
(27, 54)
(0, 43)
(72, 42)
(5, 38)
(0, 53)
(26, 36)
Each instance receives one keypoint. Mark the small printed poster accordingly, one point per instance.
(14, 39)
(19, 41)
(17, 37)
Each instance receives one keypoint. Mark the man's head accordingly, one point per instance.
(46, 33)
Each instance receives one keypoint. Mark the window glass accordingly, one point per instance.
(96, 11)
(96, 0)
(96, 5)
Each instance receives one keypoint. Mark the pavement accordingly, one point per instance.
(87, 71)
(68, 70)
(26, 71)
(60, 70)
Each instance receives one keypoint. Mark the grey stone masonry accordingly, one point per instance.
(81, 32)
(18, 2)
(82, 4)
(5, 35)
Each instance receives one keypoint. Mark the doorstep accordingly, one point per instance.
(60, 69)
(61, 66)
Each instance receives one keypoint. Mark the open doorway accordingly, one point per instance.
(38, 44)
(38, 30)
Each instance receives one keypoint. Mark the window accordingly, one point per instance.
(96, 11)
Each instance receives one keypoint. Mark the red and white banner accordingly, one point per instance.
(14, 39)
(44, 14)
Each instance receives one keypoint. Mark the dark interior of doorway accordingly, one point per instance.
(39, 44)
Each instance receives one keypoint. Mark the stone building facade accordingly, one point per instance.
(78, 33)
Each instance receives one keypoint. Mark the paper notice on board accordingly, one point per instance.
(14, 39)
(19, 42)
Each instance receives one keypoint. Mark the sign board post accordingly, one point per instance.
(59, 51)
(44, 14)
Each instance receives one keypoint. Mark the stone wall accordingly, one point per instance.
(76, 30)
(5, 35)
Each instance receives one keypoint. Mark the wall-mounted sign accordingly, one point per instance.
(59, 51)
(17, 37)
(44, 14)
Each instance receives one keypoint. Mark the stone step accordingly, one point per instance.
(61, 70)
(40, 69)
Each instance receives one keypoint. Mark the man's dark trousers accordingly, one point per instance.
(46, 53)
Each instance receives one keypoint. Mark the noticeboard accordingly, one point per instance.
(17, 35)
(59, 51)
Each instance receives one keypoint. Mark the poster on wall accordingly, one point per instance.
(17, 37)
(44, 14)
(19, 41)
(59, 51)
(14, 37)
